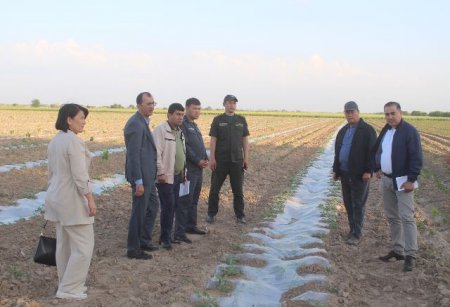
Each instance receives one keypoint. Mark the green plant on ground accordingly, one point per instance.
(435, 213)
(224, 285)
(29, 195)
(421, 224)
(205, 300)
(437, 181)
(39, 210)
(105, 154)
(231, 260)
(231, 270)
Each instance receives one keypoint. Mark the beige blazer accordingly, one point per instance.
(68, 180)
(166, 148)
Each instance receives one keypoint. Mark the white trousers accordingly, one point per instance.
(74, 247)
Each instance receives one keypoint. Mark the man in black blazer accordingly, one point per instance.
(140, 172)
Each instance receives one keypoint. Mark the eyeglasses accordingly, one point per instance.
(349, 111)
(152, 104)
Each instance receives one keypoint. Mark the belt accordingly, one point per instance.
(388, 175)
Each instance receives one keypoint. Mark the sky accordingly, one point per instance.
(306, 55)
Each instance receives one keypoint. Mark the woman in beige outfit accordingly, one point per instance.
(69, 202)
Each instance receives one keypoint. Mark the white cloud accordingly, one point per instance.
(92, 74)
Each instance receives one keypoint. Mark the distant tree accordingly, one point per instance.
(208, 108)
(131, 106)
(418, 113)
(55, 105)
(439, 114)
(116, 106)
(405, 112)
(35, 103)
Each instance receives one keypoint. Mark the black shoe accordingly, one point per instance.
(139, 255)
(166, 245)
(390, 255)
(175, 241)
(241, 220)
(210, 219)
(410, 263)
(196, 231)
(149, 248)
(184, 239)
(353, 240)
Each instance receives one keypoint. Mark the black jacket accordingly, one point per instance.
(360, 160)
(229, 132)
(407, 157)
(195, 147)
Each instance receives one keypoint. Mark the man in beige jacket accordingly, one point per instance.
(171, 170)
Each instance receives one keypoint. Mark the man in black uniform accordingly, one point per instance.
(229, 156)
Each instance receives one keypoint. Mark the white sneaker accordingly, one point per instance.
(71, 296)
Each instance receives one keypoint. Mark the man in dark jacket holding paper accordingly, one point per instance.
(399, 159)
(196, 161)
(353, 166)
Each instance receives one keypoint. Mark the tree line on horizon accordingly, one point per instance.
(37, 103)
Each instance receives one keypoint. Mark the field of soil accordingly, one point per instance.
(280, 149)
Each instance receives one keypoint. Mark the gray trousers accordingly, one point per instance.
(143, 213)
(354, 193)
(399, 210)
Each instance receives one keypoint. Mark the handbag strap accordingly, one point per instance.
(43, 227)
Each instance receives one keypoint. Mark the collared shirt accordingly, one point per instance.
(180, 156)
(344, 153)
(386, 151)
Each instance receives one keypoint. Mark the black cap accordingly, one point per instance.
(351, 105)
(230, 98)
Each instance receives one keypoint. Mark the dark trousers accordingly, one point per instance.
(143, 214)
(354, 193)
(195, 189)
(236, 173)
(168, 197)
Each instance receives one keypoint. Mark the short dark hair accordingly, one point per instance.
(175, 107)
(68, 110)
(141, 95)
(193, 101)
(393, 103)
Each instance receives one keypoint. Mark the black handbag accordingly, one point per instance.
(45, 250)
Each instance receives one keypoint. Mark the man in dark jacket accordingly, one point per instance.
(353, 166)
(399, 159)
(140, 171)
(196, 161)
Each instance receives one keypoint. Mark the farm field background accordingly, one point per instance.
(282, 144)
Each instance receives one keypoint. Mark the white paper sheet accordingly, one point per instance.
(184, 188)
(401, 180)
